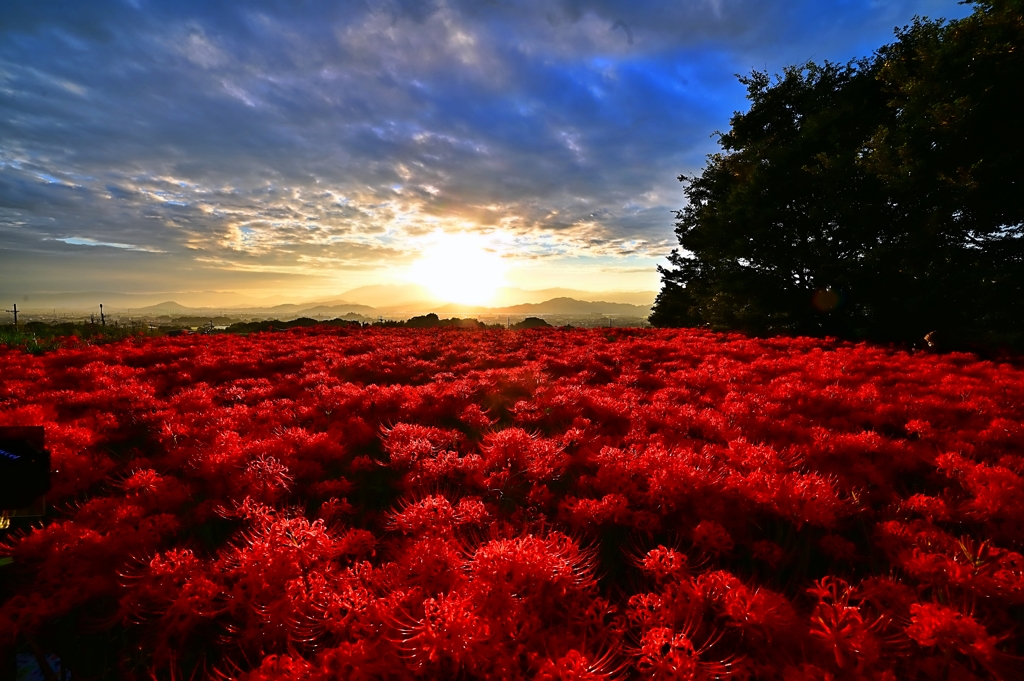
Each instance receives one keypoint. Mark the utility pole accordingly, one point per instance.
(103, 317)
(15, 311)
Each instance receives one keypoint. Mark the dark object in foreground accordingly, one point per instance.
(24, 466)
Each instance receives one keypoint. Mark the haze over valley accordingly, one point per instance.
(366, 303)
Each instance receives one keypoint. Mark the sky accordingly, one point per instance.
(301, 148)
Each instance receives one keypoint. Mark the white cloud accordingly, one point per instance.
(269, 141)
(83, 241)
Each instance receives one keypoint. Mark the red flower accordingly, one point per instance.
(663, 564)
(448, 636)
(379, 503)
(935, 625)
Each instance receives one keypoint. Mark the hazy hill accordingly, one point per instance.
(390, 295)
(386, 299)
(396, 297)
(339, 311)
(561, 306)
(167, 307)
(395, 301)
(88, 300)
(518, 296)
(117, 302)
(573, 306)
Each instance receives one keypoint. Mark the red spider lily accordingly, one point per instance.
(333, 509)
(177, 595)
(266, 478)
(408, 443)
(575, 666)
(448, 636)
(531, 567)
(672, 655)
(612, 509)
(386, 503)
(475, 417)
(664, 564)
(935, 625)
(841, 626)
(931, 508)
(513, 449)
(436, 515)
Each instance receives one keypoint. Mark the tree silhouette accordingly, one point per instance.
(881, 199)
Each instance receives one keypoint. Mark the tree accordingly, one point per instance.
(883, 199)
(531, 323)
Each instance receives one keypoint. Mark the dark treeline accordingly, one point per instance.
(431, 320)
(882, 199)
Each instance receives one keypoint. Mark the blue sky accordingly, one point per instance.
(302, 148)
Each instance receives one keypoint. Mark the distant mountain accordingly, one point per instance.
(287, 310)
(121, 302)
(333, 311)
(573, 306)
(168, 307)
(553, 306)
(394, 300)
(414, 307)
(411, 297)
(390, 295)
(518, 296)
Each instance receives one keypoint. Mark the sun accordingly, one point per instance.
(460, 268)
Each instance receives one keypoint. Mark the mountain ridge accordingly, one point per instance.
(554, 306)
(410, 303)
(561, 305)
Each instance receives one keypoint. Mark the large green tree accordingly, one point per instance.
(881, 199)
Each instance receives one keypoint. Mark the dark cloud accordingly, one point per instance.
(298, 136)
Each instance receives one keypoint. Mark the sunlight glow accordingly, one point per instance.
(460, 268)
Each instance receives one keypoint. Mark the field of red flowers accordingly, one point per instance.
(551, 504)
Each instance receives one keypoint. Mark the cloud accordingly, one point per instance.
(299, 139)
(82, 241)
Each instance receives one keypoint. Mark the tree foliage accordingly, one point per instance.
(881, 199)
